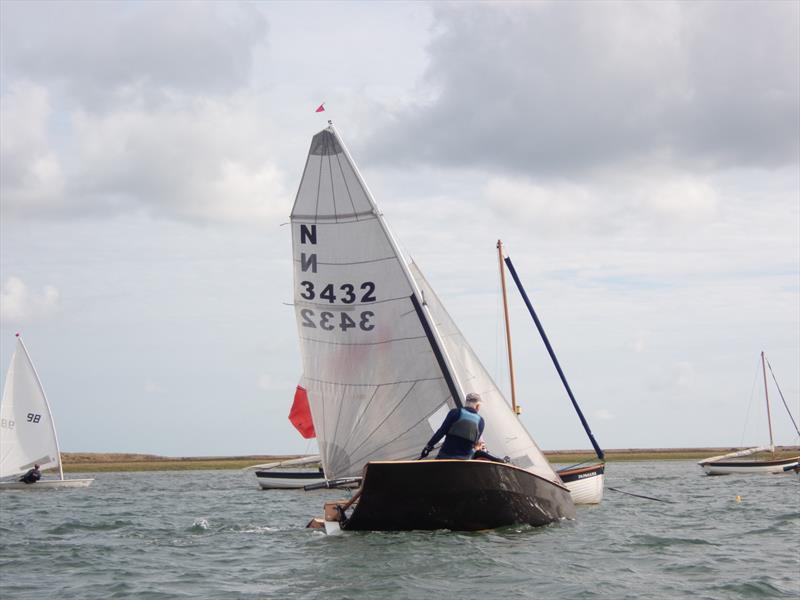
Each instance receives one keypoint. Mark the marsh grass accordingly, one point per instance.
(99, 462)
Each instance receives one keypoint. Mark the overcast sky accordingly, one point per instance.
(640, 161)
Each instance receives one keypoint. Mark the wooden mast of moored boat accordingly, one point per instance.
(514, 406)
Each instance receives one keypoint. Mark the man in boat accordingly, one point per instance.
(32, 476)
(462, 429)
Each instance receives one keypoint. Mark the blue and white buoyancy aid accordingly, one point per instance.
(467, 426)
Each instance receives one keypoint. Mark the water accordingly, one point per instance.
(214, 534)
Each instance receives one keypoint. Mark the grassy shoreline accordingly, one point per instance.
(106, 462)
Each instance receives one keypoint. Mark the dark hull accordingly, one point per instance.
(460, 495)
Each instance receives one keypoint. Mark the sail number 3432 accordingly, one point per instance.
(346, 294)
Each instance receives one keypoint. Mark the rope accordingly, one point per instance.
(640, 496)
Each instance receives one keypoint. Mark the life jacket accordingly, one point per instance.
(467, 426)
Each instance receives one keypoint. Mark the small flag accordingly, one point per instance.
(300, 414)
(321, 108)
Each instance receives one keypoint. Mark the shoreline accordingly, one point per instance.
(109, 462)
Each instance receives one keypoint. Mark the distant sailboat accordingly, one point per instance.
(584, 481)
(384, 362)
(735, 462)
(27, 431)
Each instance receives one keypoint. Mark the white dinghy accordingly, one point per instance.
(285, 474)
(27, 431)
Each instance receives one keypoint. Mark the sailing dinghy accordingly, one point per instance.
(736, 462)
(27, 431)
(383, 362)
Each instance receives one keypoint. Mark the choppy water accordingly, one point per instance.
(214, 534)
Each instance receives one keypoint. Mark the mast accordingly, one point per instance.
(417, 298)
(766, 397)
(552, 353)
(46, 403)
(514, 406)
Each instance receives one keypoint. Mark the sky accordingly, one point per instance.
(640, 162)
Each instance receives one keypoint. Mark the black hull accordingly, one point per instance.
(460, 495)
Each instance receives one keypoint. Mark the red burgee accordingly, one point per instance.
(300, 415)
(321, 108)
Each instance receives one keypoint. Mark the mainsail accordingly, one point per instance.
(27, 432)
(378, 372)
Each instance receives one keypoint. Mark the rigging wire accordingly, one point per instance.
(771, 372)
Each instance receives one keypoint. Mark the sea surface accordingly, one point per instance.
(215, 534)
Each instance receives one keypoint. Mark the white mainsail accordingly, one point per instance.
(379, 375)
(27, 431)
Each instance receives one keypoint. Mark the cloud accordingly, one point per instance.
(30, 170)
(201, 159)
(18, 304)
(99, 53)
(605, 206)
(601, 414)
(547, 89)
(136, 107)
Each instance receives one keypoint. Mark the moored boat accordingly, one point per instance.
(284, 479)
(585, 483)
(739, 463)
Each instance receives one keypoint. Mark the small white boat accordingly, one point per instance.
(736, 462)
(27, 431)
(281, 476)
(585, 484)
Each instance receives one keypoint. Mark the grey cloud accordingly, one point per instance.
(98, 50)
(556, 88)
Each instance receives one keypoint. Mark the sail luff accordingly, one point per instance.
(425, 316)
(46, 403)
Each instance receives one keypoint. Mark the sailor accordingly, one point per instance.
(32, 476)
(461, 429)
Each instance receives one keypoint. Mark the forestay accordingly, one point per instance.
(27, 432)
(504, 434)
